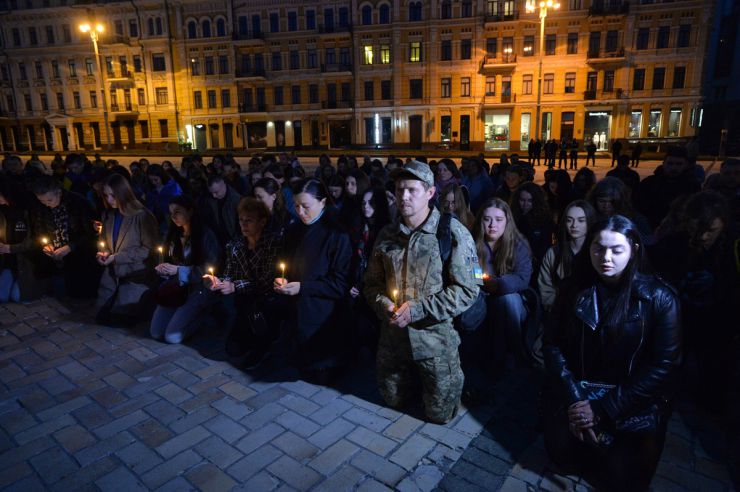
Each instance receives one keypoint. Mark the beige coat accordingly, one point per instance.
(136, 242)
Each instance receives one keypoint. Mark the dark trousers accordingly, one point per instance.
(246, 334)
(574, 161)
(635, 160)
(592, 157)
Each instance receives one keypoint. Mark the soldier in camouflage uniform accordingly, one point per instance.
(404, 284)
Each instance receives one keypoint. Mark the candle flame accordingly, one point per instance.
(210, 270)
(102, 244)
(160, 249)
(44, 240)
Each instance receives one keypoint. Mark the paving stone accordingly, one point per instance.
(385, 471)
(493, 448)
(183, 378)
(37, 401)
(237, 391)
(120, 380)
(138, 457)
(103, 448)
(191, 420)
(164, 411)
(251, 464)
(218, 452)
(121, 424)
(264, 415)
(412, 451)
(512, 484)
(299, 404)
(120, 480)
(142, 354)
(56, 385)
(225, 428)
(232, 408)
(182, 442)
(74, 438)
(372, 485)
(82, 480)
(366, 419)
(486, 461)
(359, 402)
(152, 433)
(74, 371)
(331, 411)
(28, 484)
(53, 465)
(324, 396)
(17, 421)
(92, 415)
(109, 397)
(298, 424)
(403, 427)
(345, 479)
(17, 455)
(302, 388)
(44, 429)
(334, 457)
(424, 479)
(259, 437)
(208, 477)
(295, 446)
(178, 484)
(170, 469)
(133, 404)
(373, 441)
(14, 474)
(293, 473)
(469, 424)
(331, 433)
(263, 482)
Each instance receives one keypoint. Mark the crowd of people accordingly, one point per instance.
(450, 274)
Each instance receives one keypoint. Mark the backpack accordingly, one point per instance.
(472, 318)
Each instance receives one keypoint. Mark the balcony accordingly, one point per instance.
(252, 73)
(496, 99)
(122, 80)
(589, 95)
(502, 17)
(614, 57)
(117, 39)
(612, 8)
(336, 67)
(336, 105)
(252, 36)
(124, 111)
(504, 62)
(332, 29)
(252, 108)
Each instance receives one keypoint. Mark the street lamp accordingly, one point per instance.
(94, 37)
(532, 7)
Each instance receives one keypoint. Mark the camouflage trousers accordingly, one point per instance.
(441, 381)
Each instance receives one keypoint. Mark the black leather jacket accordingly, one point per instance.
(640, 358)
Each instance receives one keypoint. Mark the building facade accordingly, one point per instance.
(414, 74)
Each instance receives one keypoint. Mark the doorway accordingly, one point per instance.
(297, 135)
(80, 135)
(229, 135)
(415, 132)
(465, 132)
(64, 138)
(200, 137)
(116, 127)
(131, 134)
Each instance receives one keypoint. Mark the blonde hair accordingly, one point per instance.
(505, 247)
(128, 204)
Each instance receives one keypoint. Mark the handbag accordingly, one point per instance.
(171, 294)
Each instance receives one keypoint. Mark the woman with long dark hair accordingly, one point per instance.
(533, 218)
(578, 218)
(189, 250)
(318, 255)
(612, 349)
(267, 190)
(610, 196)
(128, 241)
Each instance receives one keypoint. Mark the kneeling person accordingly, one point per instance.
(405, 269)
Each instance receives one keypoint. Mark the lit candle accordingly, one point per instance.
(395, 298)
(486, 277)
(44, 240)
(101, 246)
(282, 270)
(160, 249)
(210, 271)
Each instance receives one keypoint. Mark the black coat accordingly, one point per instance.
(656, 193)
(15, 230)
(641, 360)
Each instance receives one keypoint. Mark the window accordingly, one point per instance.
(367, 15)
(32, 36)
(446, 9)
(295, 94)
(163, 129)
(260, 98)
(343, 17)
(194, 67)
(550, 43)
(310, 19)
(50, 35)
(415, 51)
(367, 58)
(384, 14)
(658, 78)
(109, 66)
(93, 99)
(445, 53)
(312, 59)
(491, 47)
(638, 80)
(211, 96)
(313, 93)
(197, 100)
(206, 28)
(570, 82)
(137, 64)
(591, 80)
(133, 29)
(508, 48)
(415, 11)
(674, 122)
(225, 98)
(466, 49)
(655, 116)
(446, 87)
(209, 66)
(256, 26)
(220, 28)
(60, 100)
(572, 43)
(346, 92)
(527, 84)
(158, 63)
(385, 89)
(141, 97)
(635, 124)
(643, 37)
(679, 77)
(330, 56)
(259, 63)
(612, 38)
(416, 90)
(161, 95)
(44, 101)
(28, 102)
(277, 61)
(39, 70)
(684, 36)
(277, 96)
(67, 33)
(594, 43)
(22, 71)
(369, 90)
(118, 27)
(150, 27)
(158, 23)
(491, 86)
(274, 22)
(528, 47)
(223, 64)
(72, 68)
(295, 60)
(548, 83)
(664, 33)
(192, 30)
(292, 21)
(243, 25)
(608, 80)
(465, 87)
(466, 8)
(385, 54)
(144, 127)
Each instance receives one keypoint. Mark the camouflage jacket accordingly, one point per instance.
(409, 261)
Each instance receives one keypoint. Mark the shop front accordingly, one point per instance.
(596, 128)
(497, 130)
(256, 134)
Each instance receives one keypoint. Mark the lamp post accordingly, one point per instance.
(532, 7)
(94, 37)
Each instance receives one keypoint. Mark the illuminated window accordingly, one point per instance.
(368, 55)
(415, 51)
(385, 54)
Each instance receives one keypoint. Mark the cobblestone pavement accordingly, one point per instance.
(84, 407)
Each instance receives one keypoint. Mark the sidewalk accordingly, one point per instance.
(84, 407)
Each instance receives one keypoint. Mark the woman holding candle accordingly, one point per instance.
(319, 255)
(505, 256)
(247, 280)
(130, 234)
(182, 299)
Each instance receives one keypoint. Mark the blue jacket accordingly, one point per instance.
(480, 188)
(518, 279)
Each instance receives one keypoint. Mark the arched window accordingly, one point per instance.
(206, 28)
(150, 26)
(192, 30)
(220, 27)
(384, 12)
(415, 11)
(367, 15)
(158, 23)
